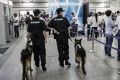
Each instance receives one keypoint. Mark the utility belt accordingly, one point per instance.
(37, 36)
(61, 34)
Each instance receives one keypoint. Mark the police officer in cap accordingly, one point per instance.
(37, 31)
(60, 25)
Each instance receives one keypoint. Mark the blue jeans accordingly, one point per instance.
(109, 41)
(118, 35)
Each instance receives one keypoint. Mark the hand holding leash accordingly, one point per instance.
(45, 41)
(56, 32)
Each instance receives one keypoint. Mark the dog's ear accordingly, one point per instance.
(75, 39)
(80, 39)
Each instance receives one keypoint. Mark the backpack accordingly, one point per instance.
(27, 20)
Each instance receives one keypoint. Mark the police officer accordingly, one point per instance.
(60, 26)
(37, 31)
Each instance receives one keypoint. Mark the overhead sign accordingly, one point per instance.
(4, 1)
(9, 2)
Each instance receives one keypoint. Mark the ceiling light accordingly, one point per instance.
(31, 0)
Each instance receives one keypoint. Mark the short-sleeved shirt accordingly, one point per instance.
(118, 22)
(94, 23)
(36, 27)
(109, 26)
(59, 23)
(16, 21)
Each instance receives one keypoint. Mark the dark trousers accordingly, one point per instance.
(39, 53)
(63, 48)
(95, 33)
(108, 45)
(103, 28)
(74, 30)
(88, 31)
(21, 26)
(118, 35)
(100, 32)
(16, 31)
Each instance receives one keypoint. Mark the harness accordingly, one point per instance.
(77, 46)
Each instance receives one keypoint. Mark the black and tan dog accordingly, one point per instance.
(80, 54)
(26, 55)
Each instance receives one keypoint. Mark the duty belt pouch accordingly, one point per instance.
(64, 34)
(37, 40)
(55, 35)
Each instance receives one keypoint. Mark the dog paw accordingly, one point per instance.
(84, 73)
(31, 69)
(78, 66)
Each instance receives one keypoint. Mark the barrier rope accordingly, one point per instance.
(98, 40)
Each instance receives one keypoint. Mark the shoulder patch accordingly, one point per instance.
(59, 19)
(35, 22)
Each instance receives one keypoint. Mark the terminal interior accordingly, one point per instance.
(98, 66)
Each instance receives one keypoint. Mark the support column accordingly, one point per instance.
(2, 26)
(6, 17)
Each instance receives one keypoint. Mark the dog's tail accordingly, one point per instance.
(83, 66)
(24, 70)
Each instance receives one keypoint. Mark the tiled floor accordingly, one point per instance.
(98, 66)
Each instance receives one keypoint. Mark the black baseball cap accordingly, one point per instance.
(59, 10)
(36, 12)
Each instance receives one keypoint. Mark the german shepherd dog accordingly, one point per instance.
(26, 55)
(80, 54)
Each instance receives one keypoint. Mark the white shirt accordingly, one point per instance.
(109, 26)
(75, 20)
(94, 23)
(89, 20)
(100, 19)
(118, 22)
(16, 21)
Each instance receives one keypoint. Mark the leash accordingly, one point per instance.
(70, 38)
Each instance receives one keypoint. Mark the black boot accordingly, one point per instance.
(61, 64)
(67, 63)
(44, 68)
(37, 65)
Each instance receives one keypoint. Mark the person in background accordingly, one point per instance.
(103, 22)
(16, 25)
(89, 24)
(37, 32)
(94, 25)
(118, 33)
(109, 33)
(31, 16)
(44, 15)
(100, 19)
(28, 19)
(60, 25)
(74, 24)
(22, 22)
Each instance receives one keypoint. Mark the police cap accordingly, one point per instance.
(59, 10)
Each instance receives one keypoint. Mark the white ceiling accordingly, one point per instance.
(48, 0)
(96, 0)
(29, 0)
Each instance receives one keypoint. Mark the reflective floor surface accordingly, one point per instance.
(98, 66)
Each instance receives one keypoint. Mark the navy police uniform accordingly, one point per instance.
(61, 25)
(36, 28)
